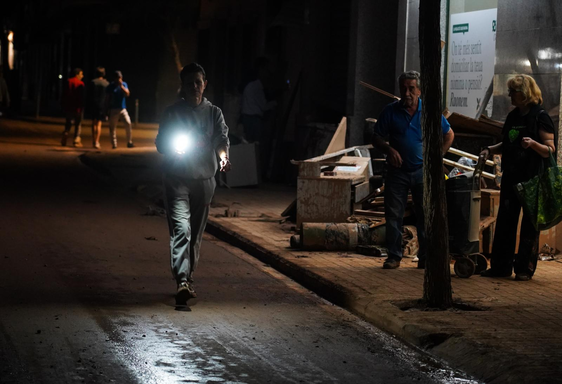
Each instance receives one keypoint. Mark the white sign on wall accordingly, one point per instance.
(471, 57)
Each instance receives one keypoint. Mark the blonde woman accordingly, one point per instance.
(528, 134)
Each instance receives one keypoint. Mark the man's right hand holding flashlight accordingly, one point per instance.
(224, 163)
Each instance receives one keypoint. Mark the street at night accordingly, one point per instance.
(281, 191)
(87, 294)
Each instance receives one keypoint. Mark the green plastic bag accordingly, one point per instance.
(541, 197)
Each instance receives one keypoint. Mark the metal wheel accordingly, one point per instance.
(464, 267)
(481, 262)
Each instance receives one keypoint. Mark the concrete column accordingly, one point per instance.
(373, 55)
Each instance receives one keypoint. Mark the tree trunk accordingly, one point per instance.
(437, 291)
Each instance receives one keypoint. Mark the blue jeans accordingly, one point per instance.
(397, 185)
(187, 205)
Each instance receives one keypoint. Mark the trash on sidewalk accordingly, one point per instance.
(547, 253)
(372, 250)
(337, 236)
(229, 212)
(410, 243)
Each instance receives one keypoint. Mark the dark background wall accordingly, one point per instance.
(373, 46)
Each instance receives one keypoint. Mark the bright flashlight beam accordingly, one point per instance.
(181, 143)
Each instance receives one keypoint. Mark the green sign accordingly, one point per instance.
(460, 28)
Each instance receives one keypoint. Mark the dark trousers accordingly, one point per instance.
(77, 119)
(504, 259)
(397, 185)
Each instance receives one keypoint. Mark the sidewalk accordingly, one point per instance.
(511, 335)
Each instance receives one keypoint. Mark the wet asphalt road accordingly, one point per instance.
(86, 293)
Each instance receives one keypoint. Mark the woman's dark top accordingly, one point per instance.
(520, 164)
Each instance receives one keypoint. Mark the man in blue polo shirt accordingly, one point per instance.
(116, 93)
(400, 122)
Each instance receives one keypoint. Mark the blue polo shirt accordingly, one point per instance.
(116, 96)
(405, 133)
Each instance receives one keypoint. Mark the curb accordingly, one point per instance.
(324, 288)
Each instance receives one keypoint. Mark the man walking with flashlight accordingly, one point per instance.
(193, 136)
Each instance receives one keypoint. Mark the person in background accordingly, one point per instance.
(116, 93)
(4, 94)
(193, 137)
(73, 106)
(255, 104)
(528, 136)
(401, 122)
(98, 86)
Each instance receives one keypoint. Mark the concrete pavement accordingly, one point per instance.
(507, 331)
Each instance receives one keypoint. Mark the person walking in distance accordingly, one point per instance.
(116, 93)
(193, 137)
(98, 86)
(73, 106)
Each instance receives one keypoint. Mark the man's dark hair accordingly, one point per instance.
(77, 71)
(100, 72)
(117, 74)
(410, 75)
(192, 68)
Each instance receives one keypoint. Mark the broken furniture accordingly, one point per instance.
(329, 186)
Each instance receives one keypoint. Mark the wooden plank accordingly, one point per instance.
(483, 125)
(458, 152)
(364, 212)
(332, 155)
(361, 191)
(486, 221)
(338, 140)
(380, 200)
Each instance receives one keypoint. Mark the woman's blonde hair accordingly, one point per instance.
(528, 86)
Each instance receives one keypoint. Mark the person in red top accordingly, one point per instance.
(73, 106)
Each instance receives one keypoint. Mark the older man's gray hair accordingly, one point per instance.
(410, 75)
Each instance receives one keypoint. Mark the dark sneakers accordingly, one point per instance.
(391, 264)
(130, 145)
(185, 292)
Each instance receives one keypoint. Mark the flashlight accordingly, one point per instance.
(181, 143)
